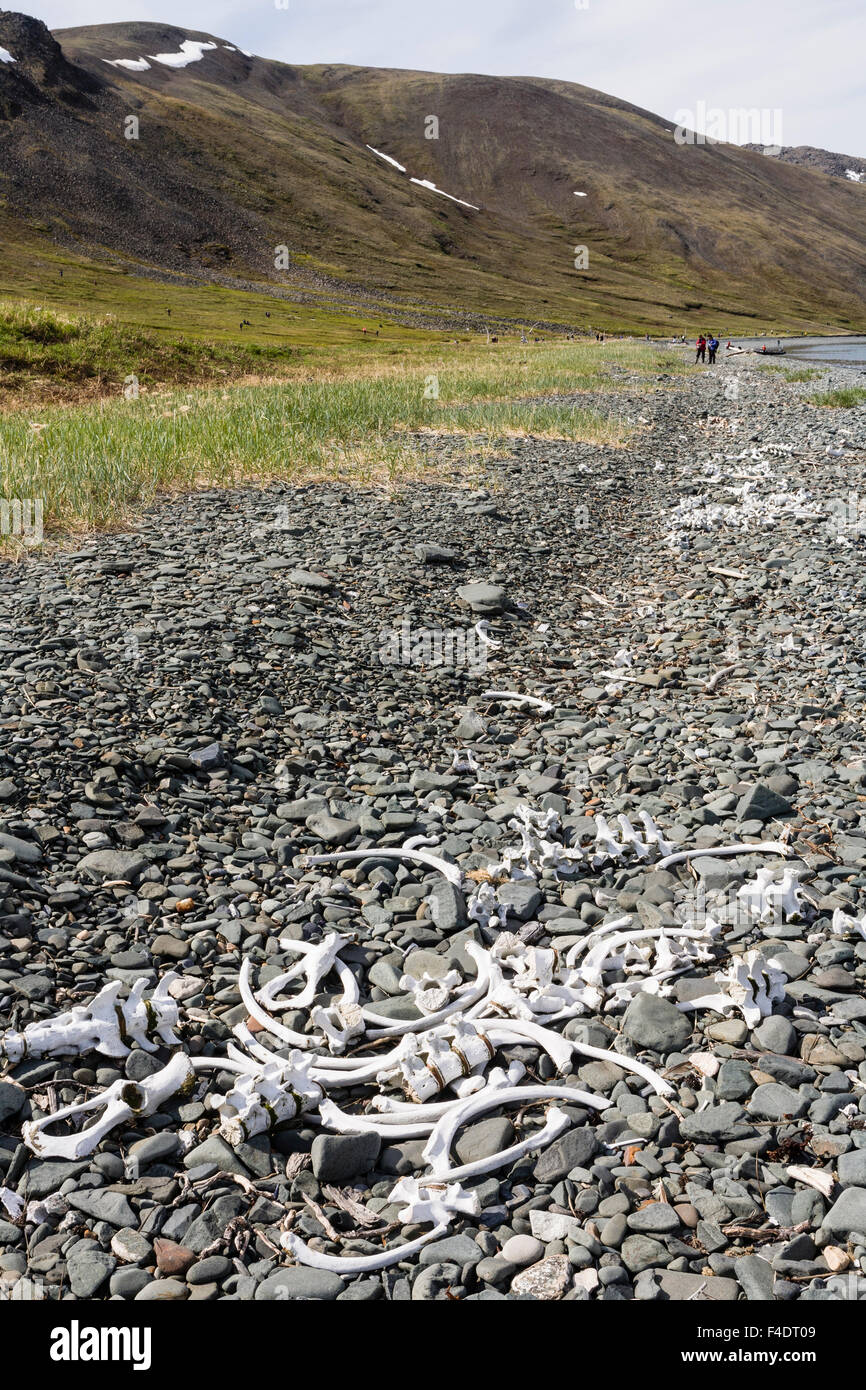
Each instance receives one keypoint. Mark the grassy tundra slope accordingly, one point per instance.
(238, 155)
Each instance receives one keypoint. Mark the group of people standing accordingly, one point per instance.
(704, 346)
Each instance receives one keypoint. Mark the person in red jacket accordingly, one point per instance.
(701, 354)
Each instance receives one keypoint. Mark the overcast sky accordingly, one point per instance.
(800, 57)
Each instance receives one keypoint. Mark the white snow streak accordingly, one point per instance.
(425, 183)
(422, 183)
(134, 64)
(401, 167)
(191, 51)
(6, 56)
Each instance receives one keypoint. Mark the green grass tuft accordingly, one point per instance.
(844, 397)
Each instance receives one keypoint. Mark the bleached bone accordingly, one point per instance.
(316, 962)
(437, 1151)
(105, 1025)
(764, 898)
(554, 1125)
(717, 851)
(122, 1101)
(483, 906)
(274, 1027)
(457, 1050)
(506, 1032)
(653, 835)
(813, 1177)
(253, 1046)
(606, 847)
(467, 997)
(395, 1127)
(12, 1204)
(482, 629)
(429, 995)
(420, 856)
(340, 1024)
(518, 698)
(357, 1264)
(596, 961)
(536, 852)
(842, 923)
(393, 1109)
(751, 984)
(427, 1203)
(259, 1102)
(592, 937)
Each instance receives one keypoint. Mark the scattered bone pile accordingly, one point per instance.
(437, 1072)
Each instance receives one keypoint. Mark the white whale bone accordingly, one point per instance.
(432, 1203)
(716, 851)
(765, 898)
(518, 698)
(105, 1025)
(273, 1025)
(396, 1127)
(751, 984)
(420, 856)
(316, 962)
(259, 1101)
(437, 1151)
(357, 1264)
(475, 991)
(340, 1024)
(122, 1101)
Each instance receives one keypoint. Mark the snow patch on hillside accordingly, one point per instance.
(401, 167)
(191, 51)
(854, 176)
(425, 183)
(6, 56)
(422, 183)
(134, 64)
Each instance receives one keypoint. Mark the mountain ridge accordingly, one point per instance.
(238, 156)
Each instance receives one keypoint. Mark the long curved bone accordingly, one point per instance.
(358, 1264)
(420, 856)
(554, 1125)
(717, 851)
(596, 961)
(124, 1100)
(518, 698)
(394, 1127)
(274, 1027)
(437, 1151)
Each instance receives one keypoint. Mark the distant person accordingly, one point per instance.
(701, 353)
(712, 349)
